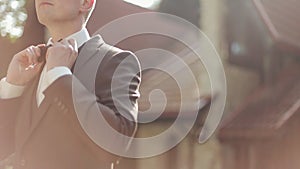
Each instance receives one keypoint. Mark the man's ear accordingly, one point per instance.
(87, 5)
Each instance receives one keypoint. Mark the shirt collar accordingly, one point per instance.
(81, 37)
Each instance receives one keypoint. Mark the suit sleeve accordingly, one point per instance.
(109, 115)
(8, 113)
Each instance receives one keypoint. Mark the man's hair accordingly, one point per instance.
(88, 15)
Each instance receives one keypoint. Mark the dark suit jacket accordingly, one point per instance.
(66, 131)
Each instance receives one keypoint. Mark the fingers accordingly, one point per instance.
(34, 67)
(71, 45)
(32, 53)
(29, 57)
(36, 50)
(37, 67)
(63, 53)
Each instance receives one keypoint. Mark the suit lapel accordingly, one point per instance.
(88, 61)
(39, 113)
(88, 50)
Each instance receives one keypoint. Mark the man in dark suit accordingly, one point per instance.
(70, 110)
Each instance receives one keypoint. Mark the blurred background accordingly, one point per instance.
(259, 44)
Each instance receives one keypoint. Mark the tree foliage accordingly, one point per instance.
(12, 18)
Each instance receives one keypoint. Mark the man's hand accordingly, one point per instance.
(62, 53)
(24, 66)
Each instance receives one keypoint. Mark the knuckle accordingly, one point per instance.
(31, 48)
(28, 52)
(65, 48)
(70, 49)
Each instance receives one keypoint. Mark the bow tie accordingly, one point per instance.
(44, 51)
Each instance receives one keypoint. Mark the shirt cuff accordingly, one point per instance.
(9, 91)
(56, 73)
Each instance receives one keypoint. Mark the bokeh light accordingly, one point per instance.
(12, 17)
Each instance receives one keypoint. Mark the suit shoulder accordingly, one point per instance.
(114, 53)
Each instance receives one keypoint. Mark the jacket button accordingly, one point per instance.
(23, 162)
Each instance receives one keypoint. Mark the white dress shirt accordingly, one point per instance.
(8, 90)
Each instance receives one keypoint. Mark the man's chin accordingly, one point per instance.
(43, 20)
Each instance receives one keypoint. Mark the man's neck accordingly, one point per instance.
(61, 31)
